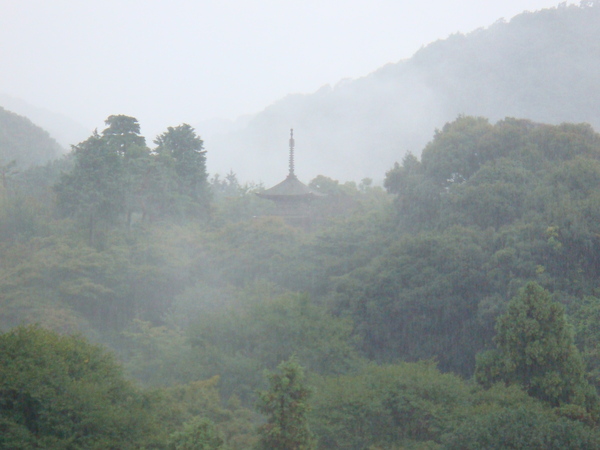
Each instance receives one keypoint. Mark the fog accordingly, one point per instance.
(215, 64)
(542, 67)
(147, 303)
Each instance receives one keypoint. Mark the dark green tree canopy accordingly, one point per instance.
(180, 148)
(94, 190)
(177, 141)
(199, 433)
(62, 392)
(520, 428)
(116, 176)
(123, 133)
(536, 350)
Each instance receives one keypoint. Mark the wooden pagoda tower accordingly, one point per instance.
(292, 198)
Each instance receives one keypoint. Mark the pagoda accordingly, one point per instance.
(292, 198)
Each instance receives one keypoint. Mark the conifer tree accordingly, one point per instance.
(181, 148)
(535, 349)
(286, 406)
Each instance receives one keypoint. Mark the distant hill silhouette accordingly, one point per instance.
(543, 66)
(65, 130)
(24, 142)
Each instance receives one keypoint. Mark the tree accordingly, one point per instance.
(254, 331)
(109, 177)
(286, 406)
(535, 349)
(62, 392)
(94, 190)
(123, 134)
(180, 148)
(458, 150)
(521, 428)
(123, 137)
(395, 406)
(418, 298)
(199, 433)
(417, 197)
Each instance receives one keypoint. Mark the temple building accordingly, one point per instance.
(293, 199)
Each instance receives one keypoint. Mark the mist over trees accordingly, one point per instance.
(461, 296)
(147, 304)
(541, 65)
(24, 143)
(65, 130)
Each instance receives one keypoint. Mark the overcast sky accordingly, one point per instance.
(168, 62)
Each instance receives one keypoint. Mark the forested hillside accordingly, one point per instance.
(540, 65)
(24, 143)
(65, 130)
(456, 308)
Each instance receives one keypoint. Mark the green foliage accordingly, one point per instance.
(414, 405)
(68, 286)
(199, 433)
(197, 308)
(527, 194)
(536, 351)
(123, 134)
(417, 197)
(94, 191)
(116, 176)
(235, 342)
(329, 186)
(494, 196)
(156, 355)
(521, 429)
(59, 391)
(341, 201)
(585, 315)
(386, 407)
(457, 151)
(419, 299)
(55, 273)
(186, 410)
(182, 150)
(235, 202)
(286, 405)
(475, 173)
(247, 251)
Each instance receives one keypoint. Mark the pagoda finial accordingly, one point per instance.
(292, 175)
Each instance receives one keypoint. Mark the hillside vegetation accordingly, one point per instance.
(457, 308)
(23, 142)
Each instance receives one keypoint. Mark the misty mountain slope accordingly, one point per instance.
(65, 130)
(23, 141)
(541, 66)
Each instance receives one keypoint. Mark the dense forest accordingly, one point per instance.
(540, 65)
(146, 304)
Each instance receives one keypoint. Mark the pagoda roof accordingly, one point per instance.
(291, 188)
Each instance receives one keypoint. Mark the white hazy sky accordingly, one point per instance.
(168, 62)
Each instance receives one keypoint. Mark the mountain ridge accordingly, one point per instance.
(540, 66)
(24, 142)
(65, 130)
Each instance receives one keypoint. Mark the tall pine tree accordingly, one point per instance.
(286, 406)
(535, 349)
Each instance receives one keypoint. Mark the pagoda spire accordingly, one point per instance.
(291, 174)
